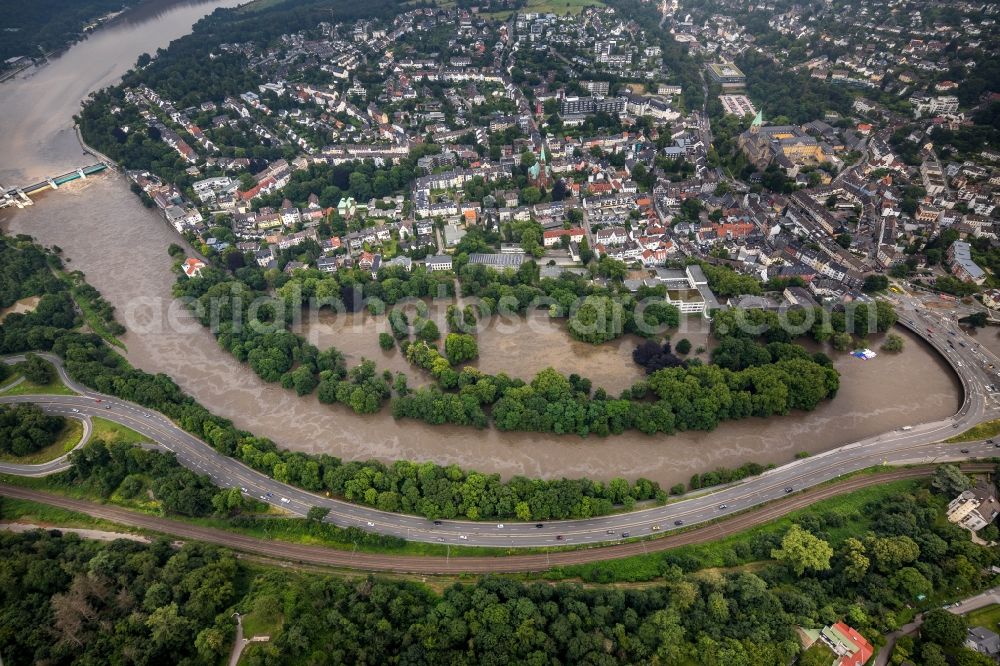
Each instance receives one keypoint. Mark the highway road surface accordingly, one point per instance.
(918, 444)
(423, 564)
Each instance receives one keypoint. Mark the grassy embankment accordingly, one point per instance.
(984, 430)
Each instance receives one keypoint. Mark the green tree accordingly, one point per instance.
(911, 583)
(427, 330)
(460, 347)
(893, 343)
(683, 346)
(386, 341)
(950, 481)
(842, 341)
(802, 551)
(944, 628)
(36, 369)
(316, 514)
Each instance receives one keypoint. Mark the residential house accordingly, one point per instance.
(438, 262)
(193, 267)
(850, 647)
(974, 509)
(962, 265)
(555, 236)
(983, 641)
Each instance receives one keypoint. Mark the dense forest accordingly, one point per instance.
(63, 600)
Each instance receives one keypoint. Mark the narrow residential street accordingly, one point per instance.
(991, 596)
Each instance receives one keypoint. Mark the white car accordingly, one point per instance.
(463, 537)
(285, 500)
(499, 526)
(371, 524)
(75, 410)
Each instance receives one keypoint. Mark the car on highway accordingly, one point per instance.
(678, 522)
(147, 416)
(789, 489)
(499, 526)
(559, 537)
(655, 528)
(539, 526)
(437, 522)
(264, 497)
(965, 450)
(610, 532)
(463, 537)
(75, 410)
(371, 524)
(107, 406)
(626, 535)
(243, 490)
(285, 500)
(723, 507)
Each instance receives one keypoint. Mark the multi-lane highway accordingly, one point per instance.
(920, 443)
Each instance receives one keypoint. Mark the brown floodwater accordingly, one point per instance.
(121, 247)
(37, 139)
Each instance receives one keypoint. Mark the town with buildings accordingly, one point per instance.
(427, 261)
(574, 125)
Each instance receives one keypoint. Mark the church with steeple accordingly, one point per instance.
(540, 173)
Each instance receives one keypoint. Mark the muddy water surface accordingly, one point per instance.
(121, 246)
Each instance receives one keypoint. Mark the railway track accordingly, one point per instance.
(318, 555)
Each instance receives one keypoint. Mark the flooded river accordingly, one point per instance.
(121, 246)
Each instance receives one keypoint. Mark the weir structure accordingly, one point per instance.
(19, 196)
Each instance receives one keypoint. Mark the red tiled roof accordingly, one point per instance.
(863, 649)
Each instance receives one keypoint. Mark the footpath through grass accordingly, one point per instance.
(68, 438)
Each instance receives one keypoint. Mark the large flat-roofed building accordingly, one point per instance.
(962, 265)
(576, 106)
(688, 290)
(503, 260)
(596, 87)
(726, 73)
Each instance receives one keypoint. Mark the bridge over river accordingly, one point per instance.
(19, 196)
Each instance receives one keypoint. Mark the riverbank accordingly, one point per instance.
(121, 246)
